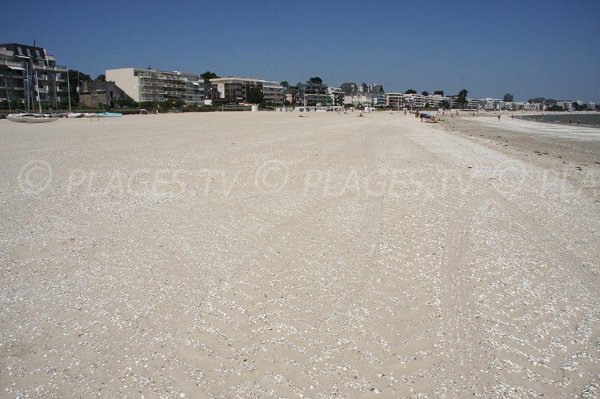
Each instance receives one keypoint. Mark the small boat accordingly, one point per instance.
(110, 114)
(75, 115)
(31, 118)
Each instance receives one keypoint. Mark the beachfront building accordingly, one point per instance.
(272, 92)
(493, 104)
(31, 77)
(363, 95)
(405, 100)
(336, 94)
(313, 93)
(145, 85)
(414, 100)
(97, 94)
(395, 100)
(434, 100)
(567, 105)
(233, 90)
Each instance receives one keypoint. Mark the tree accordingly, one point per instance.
(210, 92)
(124, 102)
(101, 78)
(425, 93)
(508, 98)
(439, 92)
(410, 91)
(444, 104)
(285, 84)
(208, 75)
(316, 80)
(75, 79)
(256, 95)
(461, 99)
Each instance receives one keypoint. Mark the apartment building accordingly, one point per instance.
(336, 95)
(153, 85)
(414, 100)
(29, 75)
(272, 92)
(234, 90)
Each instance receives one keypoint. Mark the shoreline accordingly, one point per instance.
(574, 154)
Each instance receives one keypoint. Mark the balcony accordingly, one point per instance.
(11, 64)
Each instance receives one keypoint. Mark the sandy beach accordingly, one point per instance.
(257, 255)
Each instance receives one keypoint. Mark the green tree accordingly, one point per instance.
(125, 102)
(461, 99)
(425, 93)
(316, 80)
(440, 92)
(179, 103)
(101, 77)
(285, 84)
(444, 104)
(209, 92)
(208, 75)
(75, 79)
(256, 95)
(410, 91)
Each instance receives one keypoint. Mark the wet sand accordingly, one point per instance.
(571, 151)
(267, 255)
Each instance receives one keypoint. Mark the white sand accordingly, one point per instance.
(267, 255)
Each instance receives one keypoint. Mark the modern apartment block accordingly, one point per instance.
(236, 90)
(414, 100)
(30, 75)
(152, 85)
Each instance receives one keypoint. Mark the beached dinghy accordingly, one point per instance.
(31, 118)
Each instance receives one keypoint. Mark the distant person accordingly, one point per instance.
(498, 116)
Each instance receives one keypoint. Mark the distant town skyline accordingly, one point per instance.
(529, 49)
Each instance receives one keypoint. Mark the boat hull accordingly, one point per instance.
(31, 118)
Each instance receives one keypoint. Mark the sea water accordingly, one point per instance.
(591, 119)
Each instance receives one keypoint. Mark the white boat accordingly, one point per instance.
(31, 118)
(75, 115)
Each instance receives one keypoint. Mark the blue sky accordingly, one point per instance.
(527, 48)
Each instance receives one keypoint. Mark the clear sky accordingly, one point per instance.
(527, 48)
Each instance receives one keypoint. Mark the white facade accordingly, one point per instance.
(153, 85)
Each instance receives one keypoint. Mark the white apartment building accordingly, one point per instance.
(272, 92)
(336, 94)
(404, 100)
(237, 90)
(493, 104)
(153, 85)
